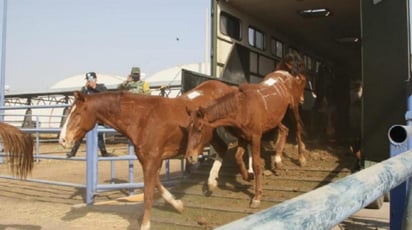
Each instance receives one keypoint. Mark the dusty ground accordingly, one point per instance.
(29, 205)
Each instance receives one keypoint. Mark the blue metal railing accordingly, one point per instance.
(331, 204)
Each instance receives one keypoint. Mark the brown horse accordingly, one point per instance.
(289, 76)
(289, 79)
(18, 147)
(248, 114)
(156, 126)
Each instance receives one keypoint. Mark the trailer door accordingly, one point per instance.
(385, 69)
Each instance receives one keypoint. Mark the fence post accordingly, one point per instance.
(398, 139)
(131, 165)
(91, 165)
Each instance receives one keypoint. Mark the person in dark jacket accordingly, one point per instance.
(91, 87)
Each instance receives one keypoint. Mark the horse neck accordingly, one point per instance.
(113, 110)
(225, 107)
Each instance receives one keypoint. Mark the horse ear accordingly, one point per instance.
(78, 96)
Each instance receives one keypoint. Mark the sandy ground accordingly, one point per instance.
(31, 205)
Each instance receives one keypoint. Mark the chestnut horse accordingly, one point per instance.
(18, 147)
(289, 76)
(156, 126)
(248, 114)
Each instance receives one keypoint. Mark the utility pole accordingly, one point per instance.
(3, 61)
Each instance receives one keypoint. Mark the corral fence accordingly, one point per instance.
(91, 185)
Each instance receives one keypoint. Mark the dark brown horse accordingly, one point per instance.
(248, 114)
(156, 126)
(18, 147)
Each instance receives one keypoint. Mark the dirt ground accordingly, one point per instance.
(32, 205)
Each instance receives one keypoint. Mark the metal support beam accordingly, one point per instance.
(3, 60)
(91, 165)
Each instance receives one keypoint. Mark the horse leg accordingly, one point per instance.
(256, 141)
(151, 179)
(149, 172)
(214, 173)
(221, 148)
(282, 135)
(301, 145)
(167, 196)
(240, 162)
(250, 163)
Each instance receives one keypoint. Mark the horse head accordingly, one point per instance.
(79, 121)
(295, 65)
(199, 134)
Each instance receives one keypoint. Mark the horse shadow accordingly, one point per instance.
(132, 212)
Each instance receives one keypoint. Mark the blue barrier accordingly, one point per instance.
(331, 204)
(399, 143)
(92, 186)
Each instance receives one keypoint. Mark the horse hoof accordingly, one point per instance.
(179, 206)
(302, 162)
(278, 165)
(255, 204)
(145, 226)
(250, 176)
(212, 185)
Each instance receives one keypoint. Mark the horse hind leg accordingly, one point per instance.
(250, 171)
(246, 175)
(282, 135)
(301, 145)
(256, 144)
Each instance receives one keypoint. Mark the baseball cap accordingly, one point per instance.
(91, 76)
(135, 70)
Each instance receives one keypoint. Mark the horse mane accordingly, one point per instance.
(295, 62)
(19, 148)
(222, 107)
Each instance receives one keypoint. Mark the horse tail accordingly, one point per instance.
(18, 147)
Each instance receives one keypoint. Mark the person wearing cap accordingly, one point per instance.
(134, 84)
(91, 87)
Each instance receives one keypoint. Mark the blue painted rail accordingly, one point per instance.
(329, 205)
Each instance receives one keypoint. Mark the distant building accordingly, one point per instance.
(78, 81)
(170, 76)
(173, 75)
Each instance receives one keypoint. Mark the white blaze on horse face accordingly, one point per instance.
(193, 95)
(64, 128)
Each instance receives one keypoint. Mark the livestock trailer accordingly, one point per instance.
(341, 41)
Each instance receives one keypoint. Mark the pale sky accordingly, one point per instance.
(49, 40)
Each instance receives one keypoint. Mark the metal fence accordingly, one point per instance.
(91, 160)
